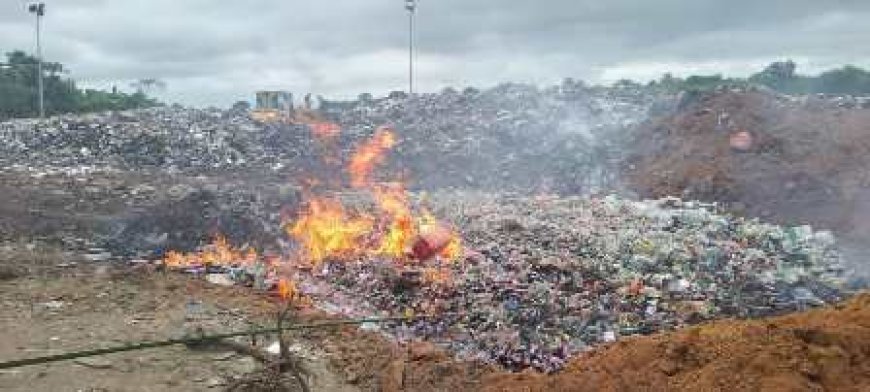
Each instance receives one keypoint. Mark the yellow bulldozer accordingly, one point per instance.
(277, 107)
(273, 106)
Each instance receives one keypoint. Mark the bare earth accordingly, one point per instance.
(88, 308)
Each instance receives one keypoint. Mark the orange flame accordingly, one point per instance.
(325, 229)
(400, 230)
(219, 253)
(369, 155)
(453, 250)
(324, 129)
(286, 289)
(289, 292)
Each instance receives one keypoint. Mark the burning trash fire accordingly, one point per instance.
(549, 276)
(325, 229)
(328, 230)
(219, 253)
(369, 155)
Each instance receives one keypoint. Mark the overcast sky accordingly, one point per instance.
(212, 52)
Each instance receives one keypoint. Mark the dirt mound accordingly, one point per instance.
(790, 160)
(825, 349)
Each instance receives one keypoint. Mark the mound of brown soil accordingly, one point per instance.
(805, 163)
(821, 350)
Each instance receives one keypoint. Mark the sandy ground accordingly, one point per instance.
(60, 310)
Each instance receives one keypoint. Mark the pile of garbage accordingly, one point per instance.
(165, 138)
(565, 138)
(545, 278)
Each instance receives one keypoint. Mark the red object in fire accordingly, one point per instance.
(741, 140)
(431, 242)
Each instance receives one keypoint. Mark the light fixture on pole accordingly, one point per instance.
(411, 6)
(39, 10)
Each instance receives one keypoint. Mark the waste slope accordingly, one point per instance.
(825, 349)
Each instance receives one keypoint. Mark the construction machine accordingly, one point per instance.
(273, 106)
(277, 107)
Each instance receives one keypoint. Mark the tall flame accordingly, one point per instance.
(369, 155)
(400, 229)
(325, 229)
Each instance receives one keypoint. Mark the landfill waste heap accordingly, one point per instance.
(542, 279)
(539, 278)
(163, 138)
(513, 137)
(446, 139)
(450, 139)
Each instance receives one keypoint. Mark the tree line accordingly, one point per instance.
(18, 86)
(781, 76)
(19, 93)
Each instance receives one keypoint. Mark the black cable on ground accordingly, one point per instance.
(194, 340)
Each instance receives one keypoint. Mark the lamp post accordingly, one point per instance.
(411, 6)
(39, 10)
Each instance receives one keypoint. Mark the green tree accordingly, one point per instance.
(148, 85)
(18, 90)
(782, 76)
(703, 82)
(670, 83)
(18, 85)
(846, 80)
(241, 106)
(627, 84)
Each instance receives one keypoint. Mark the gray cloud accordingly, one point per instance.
(215, 52)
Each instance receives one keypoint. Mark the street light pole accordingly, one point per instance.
(39, 10)
(411, 6)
